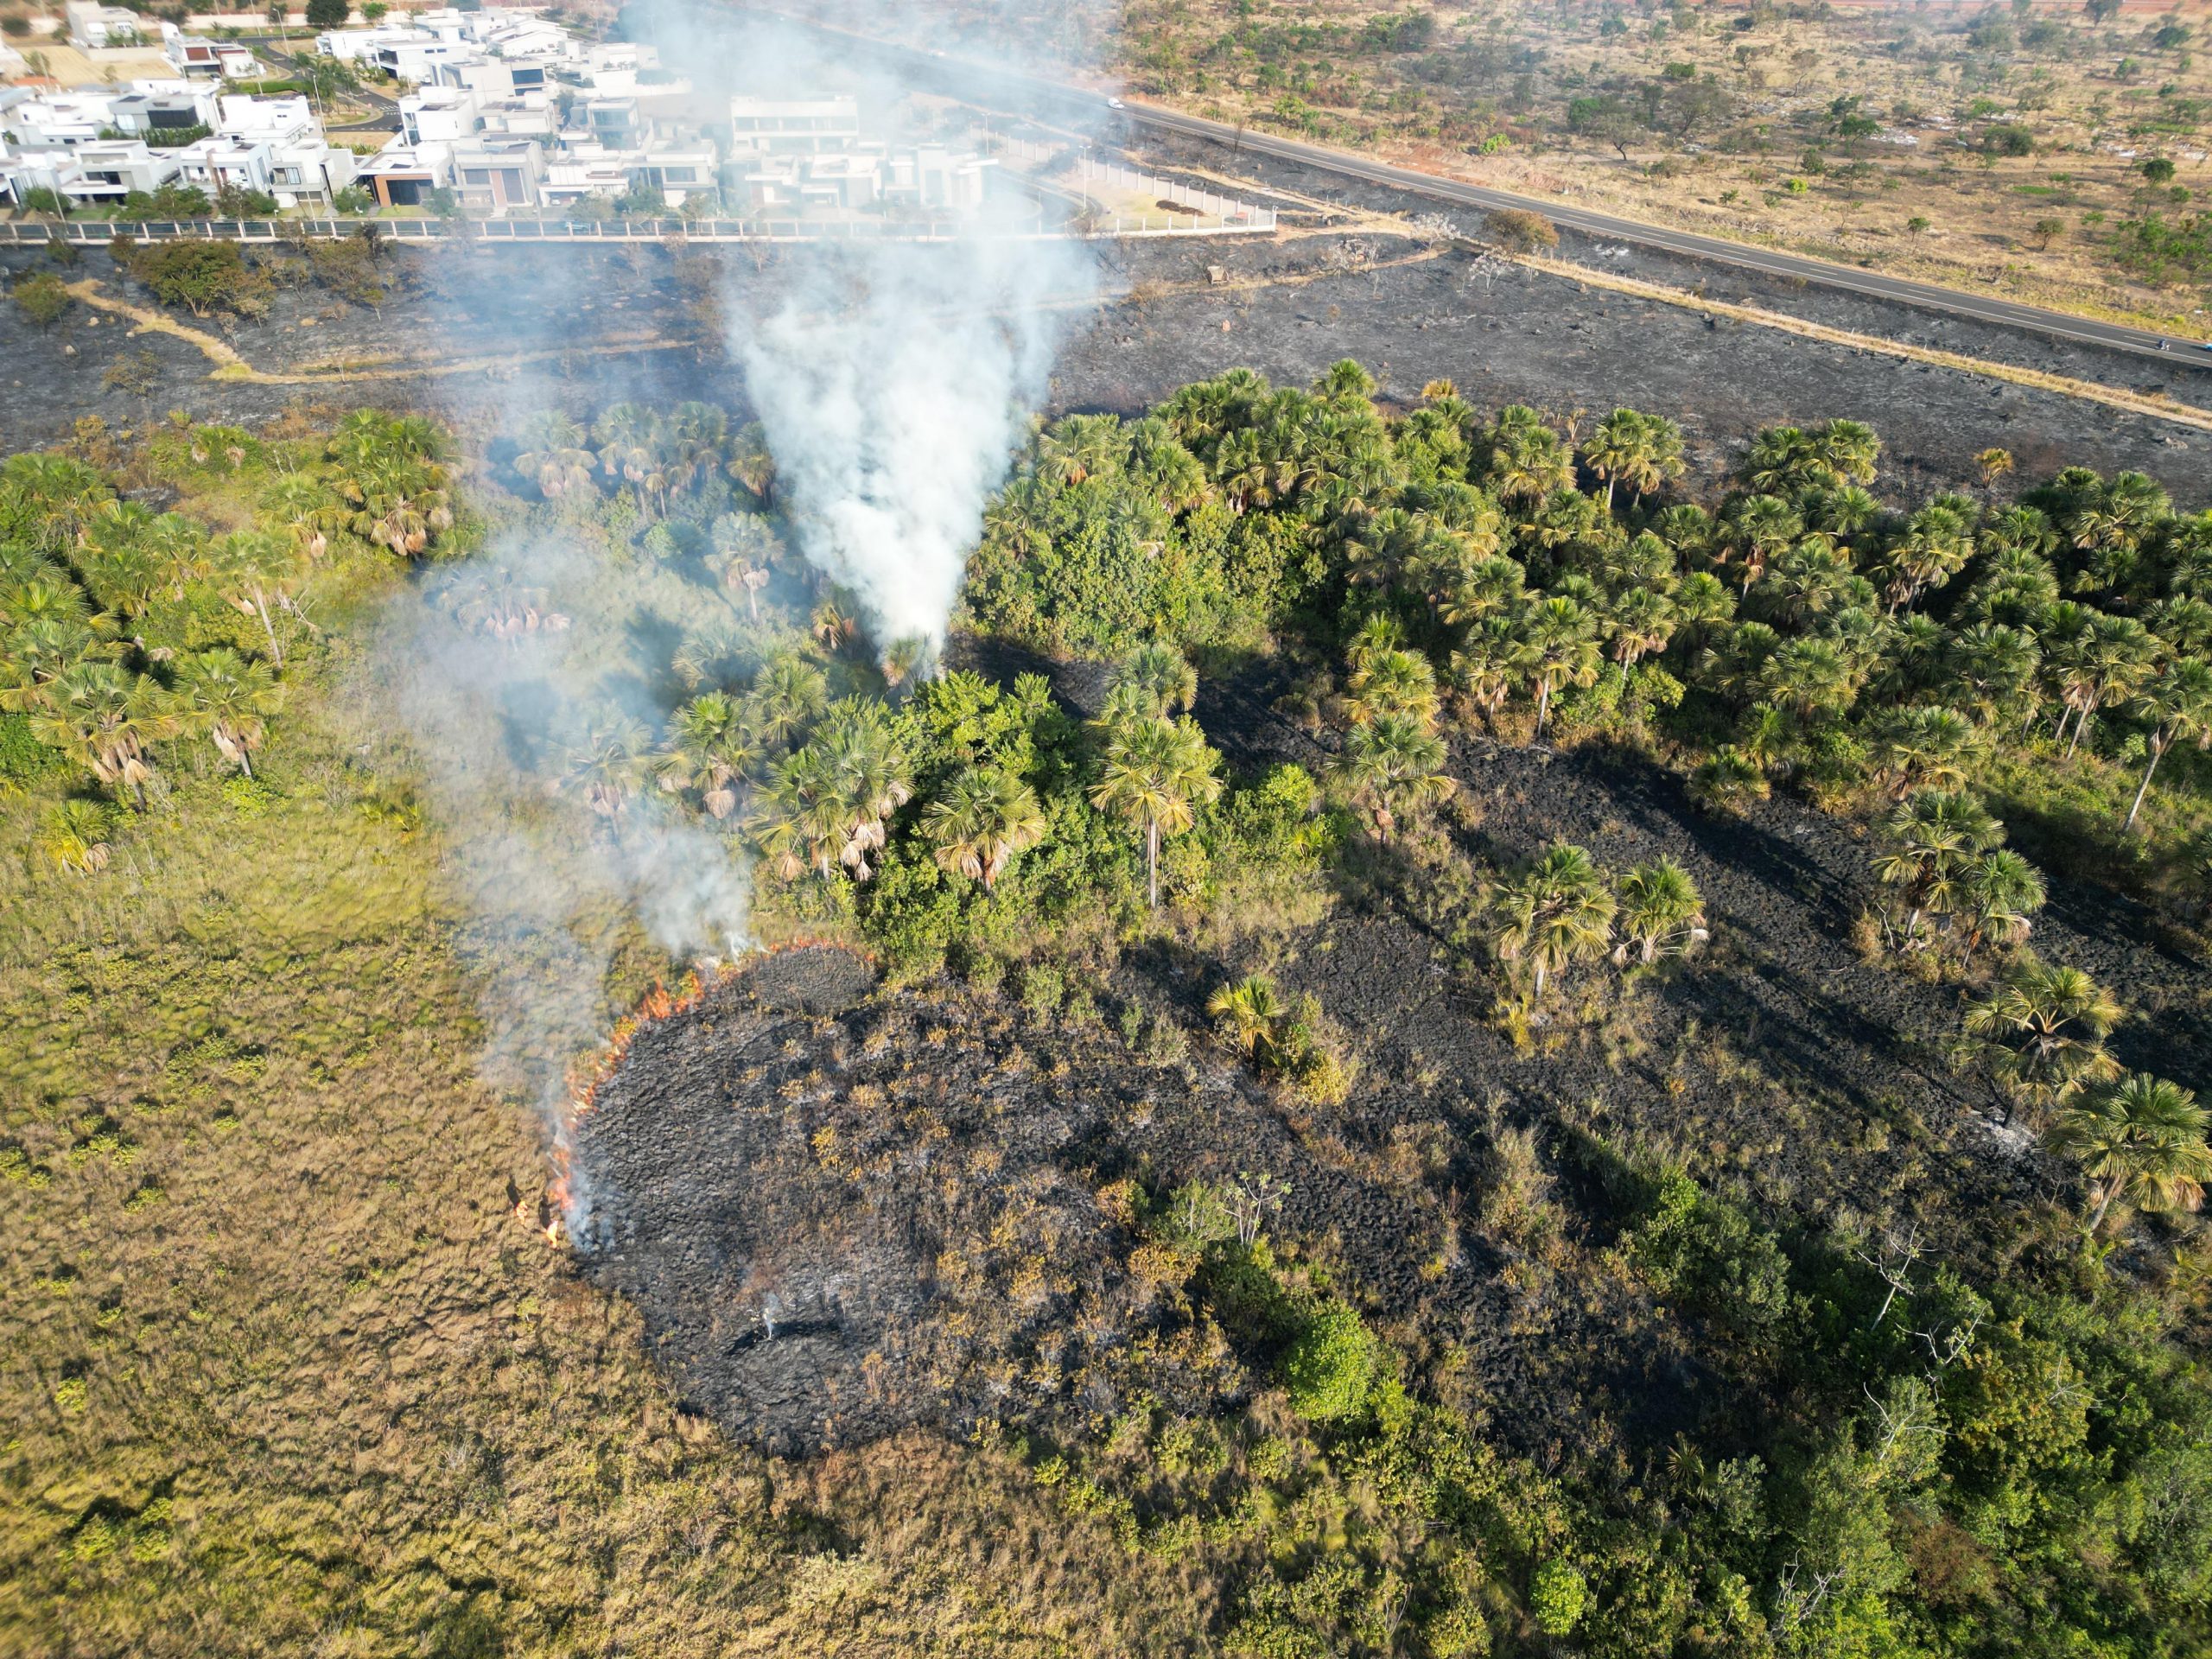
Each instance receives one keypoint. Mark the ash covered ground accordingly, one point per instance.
(915, 1185)
(604, 325)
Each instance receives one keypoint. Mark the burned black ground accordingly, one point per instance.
(599, 326)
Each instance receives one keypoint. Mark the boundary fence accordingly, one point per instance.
(1225, 214)
(492, 232)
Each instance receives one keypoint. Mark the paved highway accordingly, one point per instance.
(1959, 302)
(965, 79)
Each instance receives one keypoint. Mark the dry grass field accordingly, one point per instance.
(1998, 148)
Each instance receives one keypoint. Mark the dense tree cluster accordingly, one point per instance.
(129, 636)
(1798, 628)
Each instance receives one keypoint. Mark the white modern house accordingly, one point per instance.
(801, 154)
(438, 114)
(95, 27)
(807, 126)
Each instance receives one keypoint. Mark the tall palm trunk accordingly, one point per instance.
(2157, 751)
(261, 609)
(2097, 1217)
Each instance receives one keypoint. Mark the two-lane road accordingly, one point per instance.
(1798, 267)
(972, 81)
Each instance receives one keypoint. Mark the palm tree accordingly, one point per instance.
(1998, 893)
(1078, 446)
(1159, 681)
(802, 822)
(74, 836)
(105, 720)
(1754, 530)
(630, 439)
(1619, 445)
(1930, 839)
(1562, 651)
(555, 457)
(250, 566)
(1250, 1013)
(2042, 1030)
(1388, 683)
(1488, 588)
(787, 695)
(1935, 546)
(1995, 464)
(985, 818)
(695, 436)
(752, 464)
(1642, 620)
(1490, 662)
(46, 499)
(1554, 913)
(2142, 1138)
(1157, 772)
(1926, 747)
(1848, 450)
(1345, 381)
(869, 778)
(2178, 704)
(228, 699)
(37, 652)
(606, 766)
(1527, 460)
(1659, 912)
(1394, 768)
(1995, 665)
(398, 502)
(709, 749)
(2102, 665)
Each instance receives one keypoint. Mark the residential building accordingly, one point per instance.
(762, 126)
(58, 120)
(615, 122)
(496, 174)
(527, 114)
(932, 176)
(438, 114)
(680, 170)
(153, 109)
(93, 26)
(108, 172)
(403, 175)
(246, 115)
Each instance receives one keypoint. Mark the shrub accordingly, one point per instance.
(1557, 1596)
(41, 298)
(204, 277)
(1522, 231)
(1331, 1368)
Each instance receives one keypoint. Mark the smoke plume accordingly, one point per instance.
(893, 380)
(894, 389)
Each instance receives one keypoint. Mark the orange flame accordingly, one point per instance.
(589, 1071)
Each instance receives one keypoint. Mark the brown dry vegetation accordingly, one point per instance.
(1727, 122)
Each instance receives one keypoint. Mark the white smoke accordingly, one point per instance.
(894, 388)
(551, 888)
(893, 380)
